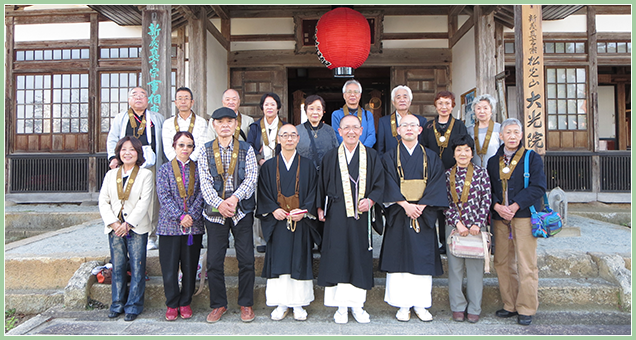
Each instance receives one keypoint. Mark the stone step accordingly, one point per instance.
(32, 301)
(55, 272)
(554, 294)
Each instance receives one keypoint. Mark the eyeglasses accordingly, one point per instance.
(349, 128)
(409, 125)
(137, 95)
(288, 135)
(352, 92)
(185, 146)
(183, 98)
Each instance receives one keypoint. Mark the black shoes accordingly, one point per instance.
(130, 317)
(261, 249)
(524, 320)
(502, 313)
(113, 315)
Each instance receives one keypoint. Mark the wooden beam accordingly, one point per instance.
(187, 12)
(611, 9)
(460, 32)
(263, 37)
(216, 34)
(181, 33)
(394, 57)
(452, 25)
(455, 10)
(415, 36)
(505, 23)
(222, 13)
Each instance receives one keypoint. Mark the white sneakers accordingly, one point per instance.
(300, 314)
(403, 314)
(423, 314)
(279, 313)
(151, 245)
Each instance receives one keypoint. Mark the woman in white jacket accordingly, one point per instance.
(124, 200)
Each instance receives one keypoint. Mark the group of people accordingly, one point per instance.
(319, 186)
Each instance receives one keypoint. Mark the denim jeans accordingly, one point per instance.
(121, 249)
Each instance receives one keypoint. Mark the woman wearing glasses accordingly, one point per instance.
(180, 226)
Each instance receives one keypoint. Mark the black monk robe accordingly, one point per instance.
(404, 250)
(287, 252)
(345, 257)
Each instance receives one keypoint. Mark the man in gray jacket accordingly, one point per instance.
(146, 126)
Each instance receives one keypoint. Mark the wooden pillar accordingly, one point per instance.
(93, 106)
(197, 35)
(181, 56)
(530, 75)
(156, 67)
(622, 119)
(8, 98)
(485, 51)
(592, 75)
(500, 68)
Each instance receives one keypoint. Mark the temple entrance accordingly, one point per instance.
(303, 82)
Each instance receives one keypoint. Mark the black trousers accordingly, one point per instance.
(174, 251)
(441, 225)
(218, 242)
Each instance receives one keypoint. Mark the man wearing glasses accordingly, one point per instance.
(144, 125)
(351, 182)
(184, 120)
(287, 210)
(352, 92)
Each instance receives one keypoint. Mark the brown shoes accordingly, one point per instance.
(247, 314)
(472, 318)
(215, 314)
(458, 316)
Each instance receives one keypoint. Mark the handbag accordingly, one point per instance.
(545, 223)
(470, 246)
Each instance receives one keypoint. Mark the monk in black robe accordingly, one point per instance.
(288, 226)
(409, 252)
(346, 264)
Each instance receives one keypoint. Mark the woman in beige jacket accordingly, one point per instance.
(123, 204)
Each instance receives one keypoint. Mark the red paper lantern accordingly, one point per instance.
(343, 40)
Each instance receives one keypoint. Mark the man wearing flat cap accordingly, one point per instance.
(228, 172)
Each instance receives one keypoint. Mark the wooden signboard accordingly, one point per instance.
(530, 60)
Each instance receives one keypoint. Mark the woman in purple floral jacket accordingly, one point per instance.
(468, 189)
(180, 227)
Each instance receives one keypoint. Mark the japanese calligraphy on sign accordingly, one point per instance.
(154, 99)
(533, 78)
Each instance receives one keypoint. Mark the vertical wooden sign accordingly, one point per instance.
(529, 55)
(156, 67)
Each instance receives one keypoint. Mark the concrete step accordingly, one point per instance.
(554, 294)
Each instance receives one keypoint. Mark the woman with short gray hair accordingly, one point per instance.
(485, 131)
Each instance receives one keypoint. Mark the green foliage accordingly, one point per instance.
(10, 319)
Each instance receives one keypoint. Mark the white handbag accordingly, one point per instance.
(470, 246)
